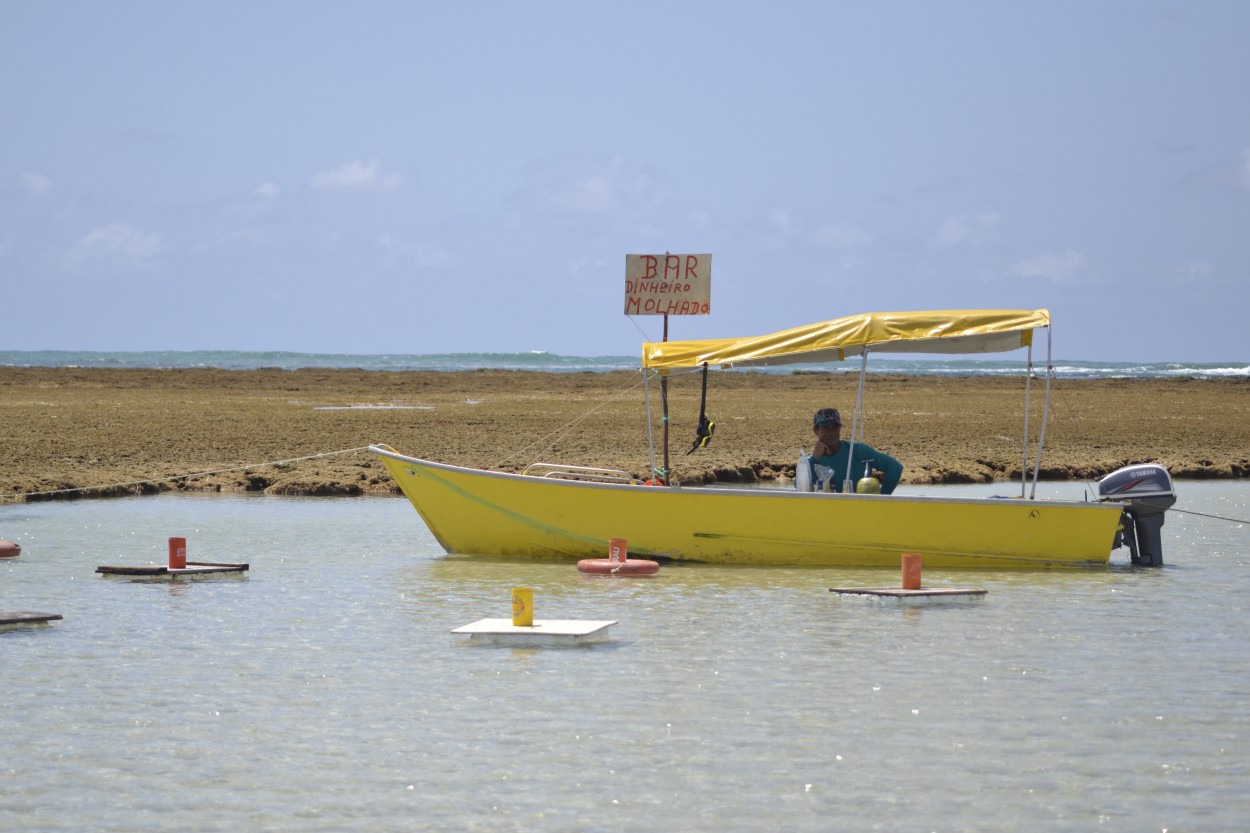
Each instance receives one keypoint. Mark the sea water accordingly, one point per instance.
(544, 362)
(324, 691)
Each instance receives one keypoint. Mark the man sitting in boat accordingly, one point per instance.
(834, 454)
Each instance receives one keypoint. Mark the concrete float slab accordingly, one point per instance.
(925, 596)
(544, 632)
(160, 572)
(12, 619)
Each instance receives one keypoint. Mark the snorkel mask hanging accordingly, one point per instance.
(703, 435)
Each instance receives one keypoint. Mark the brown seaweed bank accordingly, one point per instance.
(78, 432)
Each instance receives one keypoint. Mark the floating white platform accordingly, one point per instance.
(160, 572)
(542, 632)
(925, 596)
(12, 619)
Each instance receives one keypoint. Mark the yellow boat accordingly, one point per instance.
(571, 512)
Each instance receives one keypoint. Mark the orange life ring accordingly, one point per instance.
(628, 567)
(8, 549)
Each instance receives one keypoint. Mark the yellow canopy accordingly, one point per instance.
(933, 331)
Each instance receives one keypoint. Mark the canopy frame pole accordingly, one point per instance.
(646, 398)
(667, 475)
(857, 428)
(1028, 382)
(1041, 435)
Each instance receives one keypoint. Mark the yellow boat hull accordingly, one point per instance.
(477, 512)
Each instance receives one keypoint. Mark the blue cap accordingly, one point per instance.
(826, 416)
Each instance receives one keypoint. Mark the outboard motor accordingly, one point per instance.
(1147, 491)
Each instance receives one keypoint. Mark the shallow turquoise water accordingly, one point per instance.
(324, 691)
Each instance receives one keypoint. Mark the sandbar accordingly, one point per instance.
(73, 432)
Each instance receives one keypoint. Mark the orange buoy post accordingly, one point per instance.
(618, 562)
(911, 571)
(177, 553)
(523, 607)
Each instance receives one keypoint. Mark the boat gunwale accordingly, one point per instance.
(777, 494)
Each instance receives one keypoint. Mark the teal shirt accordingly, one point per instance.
(884, 463)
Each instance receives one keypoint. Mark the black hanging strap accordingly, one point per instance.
(703, 435)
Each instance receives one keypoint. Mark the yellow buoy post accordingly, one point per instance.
(523, 607)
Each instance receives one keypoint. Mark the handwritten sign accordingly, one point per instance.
(668, 284)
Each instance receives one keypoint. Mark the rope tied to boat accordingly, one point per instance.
(1205, 515)
(554, 436)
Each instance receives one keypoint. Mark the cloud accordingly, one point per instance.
(840, 235)
(396, 251)
(783, 225)
(1056, 268)
(699, 219)
(262, 201)
(117, 242)
(245, 239)
(781, 220)
(36, 184)
(1192, 273)
(849, 263)
(966, 228)
(590, 186)
(588, 265)
(1243, 174)
(359, 175)
(778, 227)
(265, 191)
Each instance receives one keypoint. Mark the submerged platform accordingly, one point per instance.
(10, 619)
(157, 572)
(898, 597)
(542, 632)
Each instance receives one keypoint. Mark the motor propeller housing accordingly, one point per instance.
(1147, 492)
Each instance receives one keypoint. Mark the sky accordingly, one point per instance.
(431, 177)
